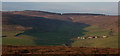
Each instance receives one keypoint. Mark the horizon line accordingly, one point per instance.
(62, 12)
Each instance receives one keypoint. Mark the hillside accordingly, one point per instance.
(56, 32)
(58, 51)
(46, 28)
(87, 18)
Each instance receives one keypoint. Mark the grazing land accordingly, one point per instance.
(111, 41)
(53, 29)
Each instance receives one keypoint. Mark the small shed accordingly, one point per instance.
(89, 37)
(96, 36)
(93, 37)
(82, 37)
(78, 37)
(104, 36)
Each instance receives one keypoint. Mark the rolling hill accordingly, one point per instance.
(47, 28)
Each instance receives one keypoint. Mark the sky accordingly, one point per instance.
(60, 0)
(64, 7)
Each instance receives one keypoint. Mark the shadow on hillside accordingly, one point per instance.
(48, 31)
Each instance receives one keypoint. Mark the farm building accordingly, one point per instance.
(104, 36)
(90, 37)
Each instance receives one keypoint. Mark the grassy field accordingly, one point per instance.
(54, 35)
(19, 40)
(46, 31)
(110, 42)
(60, 37)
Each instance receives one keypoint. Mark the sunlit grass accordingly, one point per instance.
(110, 42)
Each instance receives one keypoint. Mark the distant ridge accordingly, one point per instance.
(44, 12)
(67, 13)
(57, 13)
(82, 14)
